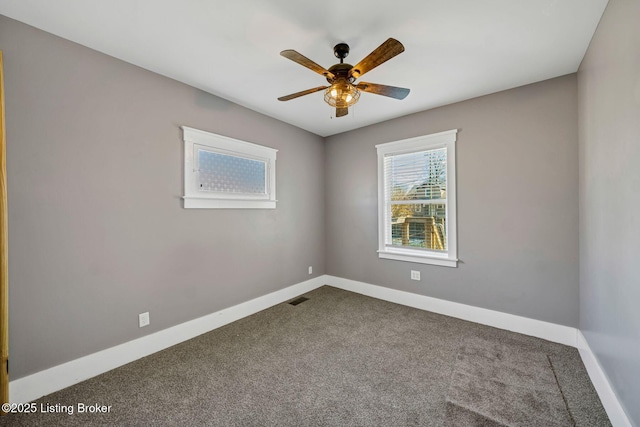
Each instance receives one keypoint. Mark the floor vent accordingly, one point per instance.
(298, 301)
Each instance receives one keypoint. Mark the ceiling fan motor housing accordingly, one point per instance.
(341, 71)
(341, 50)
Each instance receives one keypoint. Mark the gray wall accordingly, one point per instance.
(609, 129)
(97, 233)
(517, 171)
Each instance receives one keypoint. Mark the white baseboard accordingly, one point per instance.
(536, 328)
(609, 400)
(523, 325)
(41, 383)
(34, 386)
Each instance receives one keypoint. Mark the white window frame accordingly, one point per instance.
(434, 141)
(195, 139)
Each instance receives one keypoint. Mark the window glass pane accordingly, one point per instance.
(222, 173)
(419, 226)
(417, 199)
(417, 176)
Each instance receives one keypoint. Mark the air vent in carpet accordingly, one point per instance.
(298, 301)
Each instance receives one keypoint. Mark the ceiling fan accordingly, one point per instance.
(342, 91)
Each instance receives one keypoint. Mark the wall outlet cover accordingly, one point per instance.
(143, 319)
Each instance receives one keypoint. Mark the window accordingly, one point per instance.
(221, 172)
(417, 199)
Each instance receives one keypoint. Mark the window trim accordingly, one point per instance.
(446, 140)
(194, 199)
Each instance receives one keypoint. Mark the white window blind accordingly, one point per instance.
(416, 192)
(415, 196)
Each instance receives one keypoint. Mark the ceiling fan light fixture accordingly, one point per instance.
(341, 94)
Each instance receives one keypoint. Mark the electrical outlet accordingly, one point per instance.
(143, 319)
(310, 270)
(415, 275)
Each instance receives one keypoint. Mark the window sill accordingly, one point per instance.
(205, 203)
(422, 259)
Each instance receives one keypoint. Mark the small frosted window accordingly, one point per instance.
(226, 173)
(222, 173)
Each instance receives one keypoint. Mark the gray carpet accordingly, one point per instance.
(341, 359)
(496, 384)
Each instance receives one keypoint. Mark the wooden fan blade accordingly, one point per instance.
(302, 93)
(381, 54)
(340, 112)
(306, 62)
(384, 90)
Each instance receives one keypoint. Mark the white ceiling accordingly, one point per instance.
(455, 50)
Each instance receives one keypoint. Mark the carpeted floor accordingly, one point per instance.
(339, 359)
